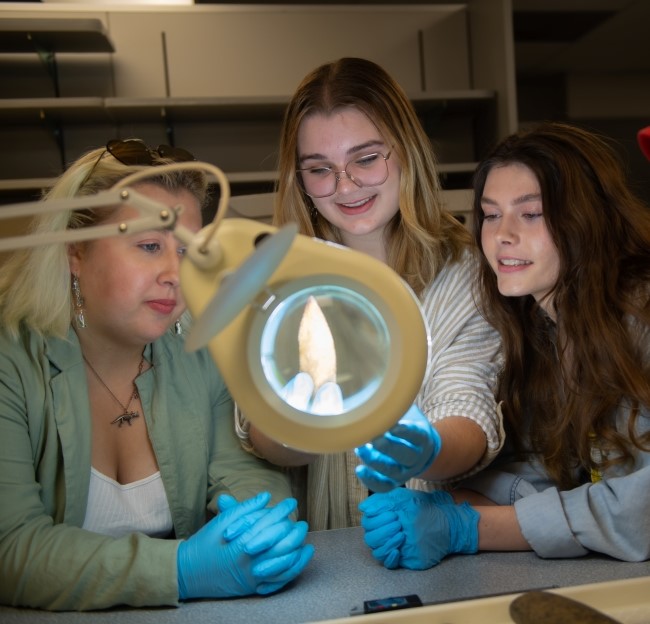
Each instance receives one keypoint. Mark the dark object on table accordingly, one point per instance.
(538, 607)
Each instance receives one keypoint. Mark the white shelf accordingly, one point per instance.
(68, 109)
(195, 109)
(201, 108)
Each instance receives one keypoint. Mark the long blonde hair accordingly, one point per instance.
(35, 283)
(422, 236)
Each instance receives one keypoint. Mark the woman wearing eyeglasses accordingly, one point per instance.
(357, 168)
(116, 444)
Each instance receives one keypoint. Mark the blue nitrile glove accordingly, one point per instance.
(382, 527)
(404, 451)
(248, 548)
(299, 393)
(432, 527)
(382, 532)
(281, 559)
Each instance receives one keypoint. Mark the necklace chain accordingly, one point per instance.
(127, 416)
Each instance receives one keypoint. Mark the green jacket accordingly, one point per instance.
(46, 559)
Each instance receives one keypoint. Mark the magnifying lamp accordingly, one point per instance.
(322, 347)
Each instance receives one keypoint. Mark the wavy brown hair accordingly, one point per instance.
(567, 380)
(422, 236)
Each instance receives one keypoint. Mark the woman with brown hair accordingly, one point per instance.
(565, 278)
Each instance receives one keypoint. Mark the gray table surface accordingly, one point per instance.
(343, 574)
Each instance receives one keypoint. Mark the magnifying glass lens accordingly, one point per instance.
(324, 349)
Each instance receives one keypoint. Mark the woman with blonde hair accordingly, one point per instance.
(116, 445)
(357, 168)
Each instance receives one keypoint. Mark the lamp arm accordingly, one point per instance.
(106, 198)
(155, 216)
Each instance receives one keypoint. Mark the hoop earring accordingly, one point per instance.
(78, 303)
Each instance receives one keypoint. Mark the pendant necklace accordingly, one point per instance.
(127, 416)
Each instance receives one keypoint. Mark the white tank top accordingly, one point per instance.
(116, 510)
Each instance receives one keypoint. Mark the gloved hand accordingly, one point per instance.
(248, 548)
(275, 565)
(404, 451)
(416, 530)
(299, 393)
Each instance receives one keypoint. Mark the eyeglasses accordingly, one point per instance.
(135, 152)
(366, 170)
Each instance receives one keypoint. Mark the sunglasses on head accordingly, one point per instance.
(133, 152)
(136, 152)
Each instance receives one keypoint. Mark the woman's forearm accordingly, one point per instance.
(498, 529)
(276, 453)
(463, 446)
